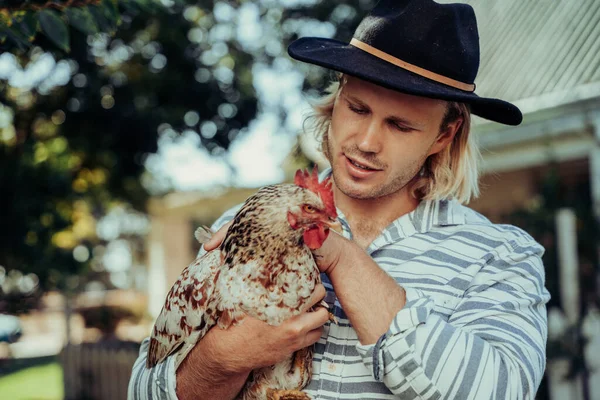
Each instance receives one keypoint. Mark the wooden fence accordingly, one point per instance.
(98, 371)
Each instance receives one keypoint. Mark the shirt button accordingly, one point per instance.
(331, 367)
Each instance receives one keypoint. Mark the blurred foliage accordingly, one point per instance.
(21, 21)
(73, 144)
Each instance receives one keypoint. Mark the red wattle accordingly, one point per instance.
(315, 237)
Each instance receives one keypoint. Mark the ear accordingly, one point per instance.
(292, 220)
(446, 137)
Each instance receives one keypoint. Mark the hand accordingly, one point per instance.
(216, 240)
(334, 248)
(230, 349)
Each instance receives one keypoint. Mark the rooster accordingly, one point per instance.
(263, 268)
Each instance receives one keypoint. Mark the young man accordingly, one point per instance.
(434, 301)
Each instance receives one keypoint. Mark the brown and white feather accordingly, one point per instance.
(262, 269)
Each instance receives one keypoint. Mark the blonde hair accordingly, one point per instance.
(452, 173)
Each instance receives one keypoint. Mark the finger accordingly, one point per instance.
(312, 320)
(217, 238)
(313, 336)
(318, 294)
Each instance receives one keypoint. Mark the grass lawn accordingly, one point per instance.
(35, 383)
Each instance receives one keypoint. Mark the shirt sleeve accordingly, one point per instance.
(491, 347)
(159, 382)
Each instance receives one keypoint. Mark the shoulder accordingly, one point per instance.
(505, 252)
(500, 237)
(226, 217)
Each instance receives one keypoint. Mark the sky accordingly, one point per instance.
(257, 153)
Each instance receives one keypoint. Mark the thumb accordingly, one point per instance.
(328, 255)
(318, 294)
(216, 240)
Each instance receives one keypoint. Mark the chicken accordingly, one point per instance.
(264, 268)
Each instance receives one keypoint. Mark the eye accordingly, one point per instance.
(357, 110)
(308, 208)
(398, 127)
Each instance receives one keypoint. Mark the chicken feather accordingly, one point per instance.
(263, 269)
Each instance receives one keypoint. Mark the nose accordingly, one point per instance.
(369, 140)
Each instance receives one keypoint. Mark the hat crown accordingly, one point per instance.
(441, 38)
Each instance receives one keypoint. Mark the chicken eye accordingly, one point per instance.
(308, 208)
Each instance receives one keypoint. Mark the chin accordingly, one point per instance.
(361, 194)
(366, 189)
(357, 190)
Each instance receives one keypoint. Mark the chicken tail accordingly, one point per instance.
(203, 234)
(152, 359)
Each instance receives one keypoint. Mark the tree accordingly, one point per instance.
(22, 21)
(71, 151)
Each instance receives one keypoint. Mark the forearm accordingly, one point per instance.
(369, 296)
(193, 380)
(492, 346)
(203, 374)
(436, 359)
(202, 382)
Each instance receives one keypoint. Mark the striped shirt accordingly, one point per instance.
(474, 325)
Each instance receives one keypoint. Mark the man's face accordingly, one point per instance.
(379, 139)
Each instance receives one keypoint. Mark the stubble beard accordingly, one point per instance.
(397, 184)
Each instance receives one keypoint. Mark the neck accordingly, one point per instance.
(369, 217)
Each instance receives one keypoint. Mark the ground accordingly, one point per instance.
(43, 382)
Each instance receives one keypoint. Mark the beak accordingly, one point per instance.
(335, 225)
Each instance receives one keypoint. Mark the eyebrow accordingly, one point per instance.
(392, 118)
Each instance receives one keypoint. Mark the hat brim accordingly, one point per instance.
(343, 57)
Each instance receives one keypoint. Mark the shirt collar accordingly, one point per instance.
(427, 215)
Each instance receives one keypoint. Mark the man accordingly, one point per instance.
(434, 301)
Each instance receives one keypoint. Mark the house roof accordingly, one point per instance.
(531, 48)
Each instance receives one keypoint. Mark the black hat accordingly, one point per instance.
(417, 47)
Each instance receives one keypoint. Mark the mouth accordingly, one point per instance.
(361, 165)
(359, 170)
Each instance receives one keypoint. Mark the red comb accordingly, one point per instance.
(309, 181)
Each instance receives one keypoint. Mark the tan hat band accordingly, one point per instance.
(412, 68)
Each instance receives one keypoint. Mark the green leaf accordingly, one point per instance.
(106, 15)
(111, 12)
(29, 25)
(130, 7)
(54, 28)
(97, 11)
(3, 28)
(82, 20)
(13, 34)
(180, 3)
(153, 6)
